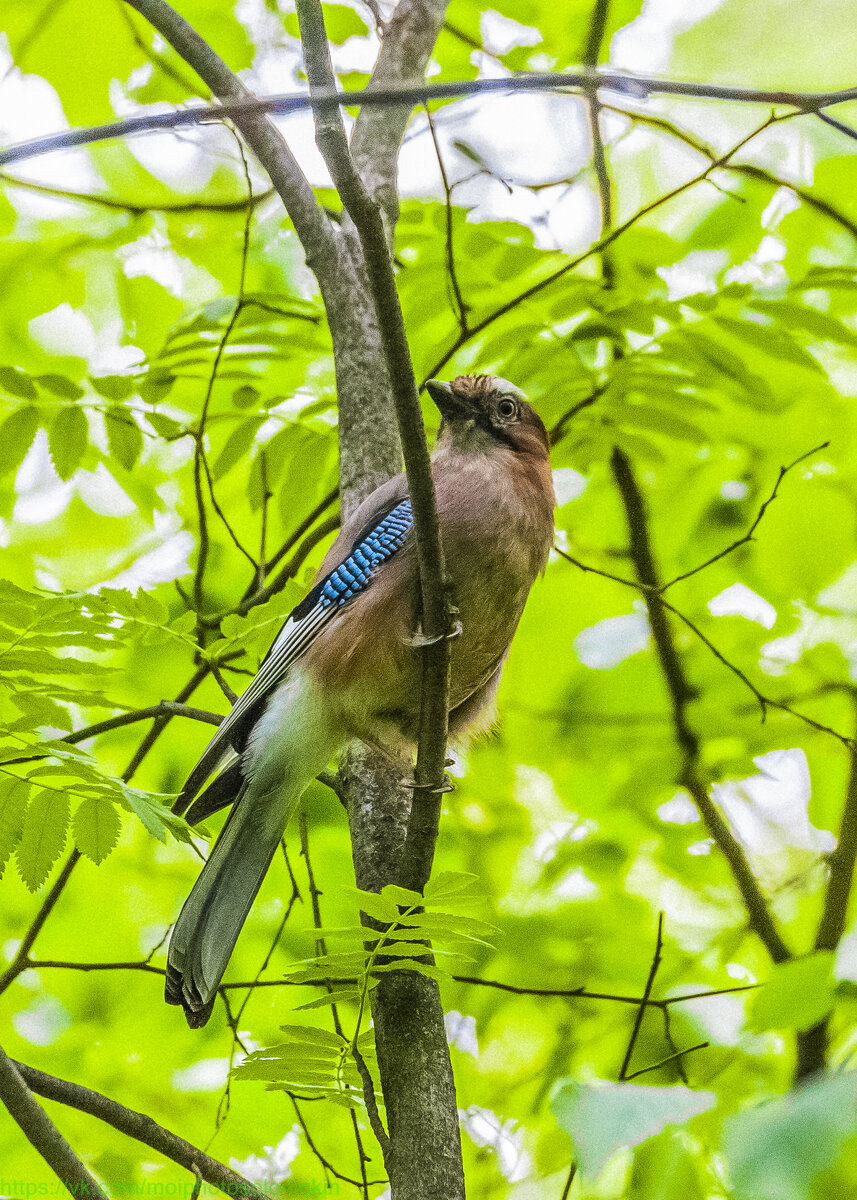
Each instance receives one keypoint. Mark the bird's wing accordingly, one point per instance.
(372, 546)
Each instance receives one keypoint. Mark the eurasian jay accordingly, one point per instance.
(346, 663)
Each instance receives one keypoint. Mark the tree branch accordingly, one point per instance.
(419, 845)
(424, 1152)
(267, 143)
(41, 1132)
(681, 693)
(812, 1043)
(591, 55)
(140, 1127)
(409, 38)
(246, 108)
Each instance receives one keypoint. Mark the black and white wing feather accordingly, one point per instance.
(303, 626)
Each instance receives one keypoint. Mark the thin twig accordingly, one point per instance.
(749, 169)
(647, 991)
(138, 209)
(748, 536)
(591, 56)
(321, 951)
(676, 1057)
(602, 244)
(572, 1171)
(461, 307)
(764, 701)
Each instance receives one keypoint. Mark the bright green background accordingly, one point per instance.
(750, 369)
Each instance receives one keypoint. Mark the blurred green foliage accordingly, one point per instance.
(712, 341)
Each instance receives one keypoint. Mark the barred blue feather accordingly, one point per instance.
(353, 575)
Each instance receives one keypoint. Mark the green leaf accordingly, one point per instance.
(17, 383)
(335, 997)
(449, 883)
(403, 897)
(797, 995)
(600, 1117)
(14, 798)
(245, 397)
(60, 385)
(166, 426)
(96, 828)
(67, 439)
(43, 838)
(776, 1151)
(114, 387)
(237, 446)
(666, 1169)
(123, 437)
(156, 818)
(16, 437)
(378, 907)
(776, 343)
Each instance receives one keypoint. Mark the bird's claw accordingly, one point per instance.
(419, 639)
(446, 786)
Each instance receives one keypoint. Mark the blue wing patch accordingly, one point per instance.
(304, 624)
(353, 575)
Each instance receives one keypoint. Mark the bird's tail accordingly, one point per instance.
(285, 757)
(211, 920)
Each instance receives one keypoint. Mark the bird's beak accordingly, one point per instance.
(449, 405)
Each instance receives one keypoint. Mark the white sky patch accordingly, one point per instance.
(576, 885)
(679, 810)
(485, 1128)
(549, 840)
(783, 202)
(41, 494)
(764, 267)
(845, 965)
(461, 1032)
(183, 159)
(152, 255)
(611, 641)
(719, 1017)
(842, 593)
(696, 272)
(769, 812)
(275, 1164)
(162, 562)
(568, 484)
(30, 107)
(43, 1022)
(63, 330)
(741, 601)
(645, 44)
(100, 492)
(501, 34)
(733, 489)
(703, 847)
(812, 630)
(207, 1075)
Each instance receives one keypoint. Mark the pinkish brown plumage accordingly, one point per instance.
(349, 669)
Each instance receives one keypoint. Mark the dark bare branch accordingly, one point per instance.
(140, 1127)
(40, 1131)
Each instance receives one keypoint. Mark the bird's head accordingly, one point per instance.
(481, 412)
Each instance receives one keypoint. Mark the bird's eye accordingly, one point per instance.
(507, 408)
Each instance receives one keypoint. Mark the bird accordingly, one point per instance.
(346, 663)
